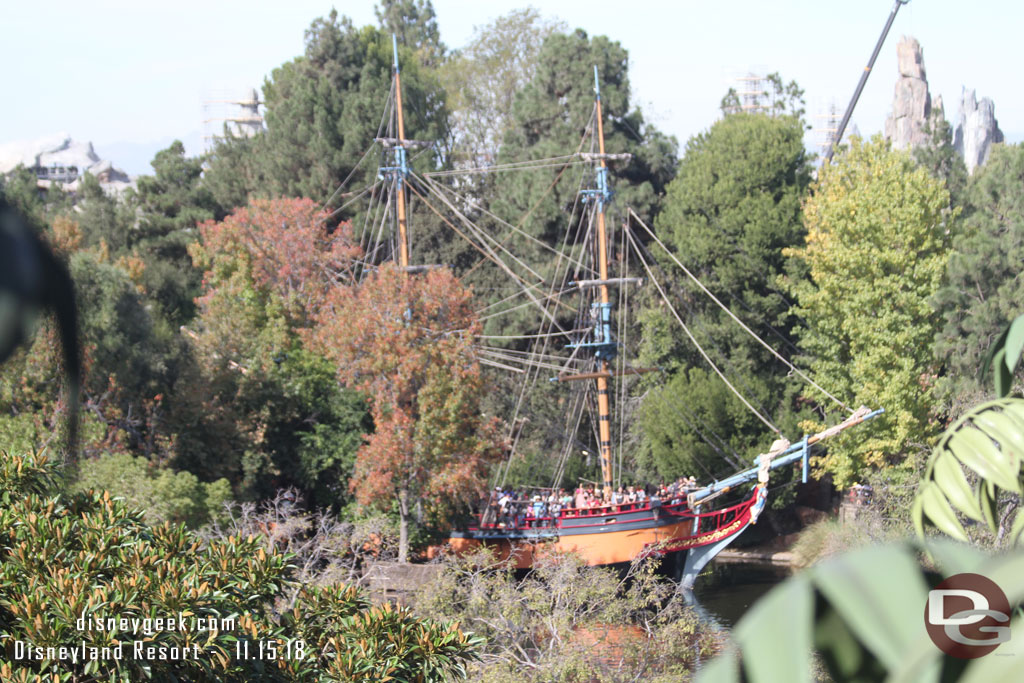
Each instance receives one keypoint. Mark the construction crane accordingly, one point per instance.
(863, 81)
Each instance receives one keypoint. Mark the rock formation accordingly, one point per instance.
(911, 102)
(977, 130)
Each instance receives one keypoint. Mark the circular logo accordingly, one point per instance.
(967, 616)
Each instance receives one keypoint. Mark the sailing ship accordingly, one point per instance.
(688, 528)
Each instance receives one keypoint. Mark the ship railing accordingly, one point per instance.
(526, 518)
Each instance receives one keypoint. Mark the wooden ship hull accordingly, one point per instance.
(683, 530)
(619, 534)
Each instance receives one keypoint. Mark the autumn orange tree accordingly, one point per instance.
(287, 246)
(267, 268)
(406, 340)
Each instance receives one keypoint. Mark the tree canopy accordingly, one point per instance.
(407, 342)
(982, 288)
(733, 207)
(877, 247)
(268, 269)
(323, 111)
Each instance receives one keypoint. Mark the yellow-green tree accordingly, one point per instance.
(876, 249)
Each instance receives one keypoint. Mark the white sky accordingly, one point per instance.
(133, 74)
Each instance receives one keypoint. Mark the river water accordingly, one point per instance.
(729, 589)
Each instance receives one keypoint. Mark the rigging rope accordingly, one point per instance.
(624, 331)
(485, 249)
(733, 316)
(516, 359)
(531, 336)
(358, 196)
(529, 212)
(384, 116)
(512, 166)
(519, 292)
(472, 227)
(579, 397)
(473, 205)
(693, 339)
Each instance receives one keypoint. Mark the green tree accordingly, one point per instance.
(785, 99)
(323, 110)
(693, 425)
(414, 23)
(877, 246)
(88, 556)
(170, 204)
(36, 205)
(982, 287)
(103, 219)
(483, 78)
(133, 358)
(268, 268)
(941, 159)
(732, 209)
(162, 494)
(549, 118)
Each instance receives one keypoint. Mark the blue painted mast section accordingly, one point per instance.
(399, 169)
(603, 343)
(800, 451)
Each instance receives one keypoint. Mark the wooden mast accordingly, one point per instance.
(603, 407)
(403, 239)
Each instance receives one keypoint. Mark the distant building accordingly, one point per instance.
(60, 159)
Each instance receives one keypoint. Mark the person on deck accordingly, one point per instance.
(490, 516)
(673, 492)
(505, 508)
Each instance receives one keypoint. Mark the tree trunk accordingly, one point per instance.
(403, 526)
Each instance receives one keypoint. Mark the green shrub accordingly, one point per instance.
(66, 557)
(565, 621)
(162, 494)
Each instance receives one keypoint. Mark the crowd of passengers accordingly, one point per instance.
(508, 507)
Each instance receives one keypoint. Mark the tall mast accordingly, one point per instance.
(604, 307)
(403, 239)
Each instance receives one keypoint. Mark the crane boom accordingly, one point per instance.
(863, 81)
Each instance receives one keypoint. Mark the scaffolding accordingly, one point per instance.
(753, 93)
(828, 129)
(241, 114)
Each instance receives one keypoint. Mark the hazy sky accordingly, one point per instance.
(131, 76)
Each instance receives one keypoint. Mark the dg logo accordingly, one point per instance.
(967, 616)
